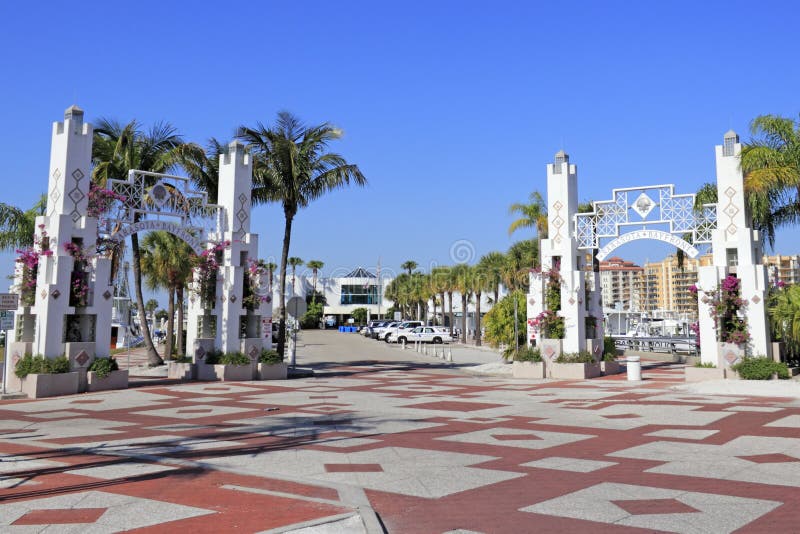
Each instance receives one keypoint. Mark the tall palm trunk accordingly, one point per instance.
(464, 317)
(179, 295)
(452, 315)
(478, 318)
(496, 294)
(314, 294)
(287, 237)
(153, 359)
(443, 308)
(170, 323)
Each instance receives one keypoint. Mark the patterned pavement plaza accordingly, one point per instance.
(409, 447)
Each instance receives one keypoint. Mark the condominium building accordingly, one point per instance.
(784, 269)
(620, 282)
(665, 285)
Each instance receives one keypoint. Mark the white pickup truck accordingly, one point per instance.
(426, 334)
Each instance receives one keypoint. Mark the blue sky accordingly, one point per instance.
(451, 109)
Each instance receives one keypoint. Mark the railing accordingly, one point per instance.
(671, 345)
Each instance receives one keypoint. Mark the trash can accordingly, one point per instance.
(341, 329)
(634, 368)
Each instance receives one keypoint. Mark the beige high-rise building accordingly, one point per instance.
(785, 269)
(619, 281)
(665, 285)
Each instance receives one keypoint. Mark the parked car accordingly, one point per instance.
(367, 330)
(391, 334)
(426, 334)
(380, 331)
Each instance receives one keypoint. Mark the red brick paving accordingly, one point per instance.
(490, 509)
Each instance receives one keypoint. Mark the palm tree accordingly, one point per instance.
(409, 266)
(491, 265)
(150, 307)
(771, 163)
(784, 317)
(202, 165)
(480, 280)
(532, 215)
(17, 227)
(315, 266)
(398, 291)
(270, 266)
(292, 166)
(440, 283)
(462, 282)
(116, 149)
(295, 262)
(167, 264)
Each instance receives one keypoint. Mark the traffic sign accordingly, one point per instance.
(6, 320)
(9, 301)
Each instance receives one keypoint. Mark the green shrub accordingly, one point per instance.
(213, 357)
(575, 357)
(760, 368)
(234, 358)
(38, 364)
(609, 349)
(182, 359)
(269, 357)
(528, 354)
(707, 365)
(102, 367)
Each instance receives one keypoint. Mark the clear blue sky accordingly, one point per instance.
(451, 109)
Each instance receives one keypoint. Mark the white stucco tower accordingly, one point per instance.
(560, 253)
(54, 320)
(736, 250)
(236, 329)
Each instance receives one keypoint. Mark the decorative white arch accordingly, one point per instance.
(651, 212)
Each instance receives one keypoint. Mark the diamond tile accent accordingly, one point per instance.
(571, 301)
(731, 210)
(731, 357)
(107, 294)
(515, 437)
(76, 195)
(531, 301)
(253, 352)
(353, 468)
(60, 516)
(200, 353)
(82, 358)
(756, 299)
(558, 222)
(731, 229)
(730, 192)
(43, 293)
(776, 458)
(78, 175)
(233, 298)
(56, 293)
(654, 506)
(558, 205)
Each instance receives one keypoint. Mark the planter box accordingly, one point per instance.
(275, 371)
(114, 380)
(528, 369)
(610, 368)
(37, 386)
(551, 349)
(701, 374)
(182, 371)
(203, 371)
(575, 371)
(233, 373)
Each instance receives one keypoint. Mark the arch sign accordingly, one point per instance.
(154, 201)
(674, 240)
(650, 208)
